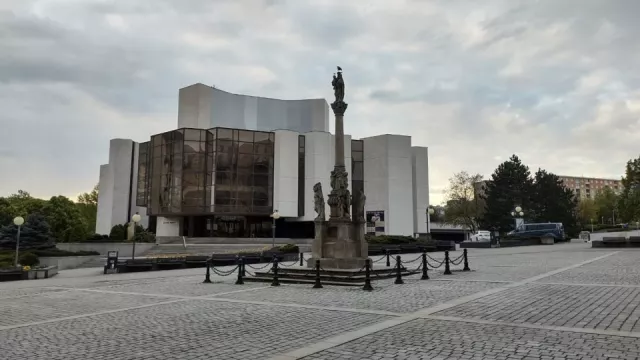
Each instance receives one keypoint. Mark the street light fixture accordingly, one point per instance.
(136, 219)
(18, 221)
(430, 211)
(517, 213)
(275, 216)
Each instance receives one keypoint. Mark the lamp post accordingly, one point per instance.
(275, 216)
(591, 224)
(517, 213)
(136, 219)
(430, 211)
(18, 221)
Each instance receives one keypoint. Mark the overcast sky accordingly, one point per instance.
(554, 81)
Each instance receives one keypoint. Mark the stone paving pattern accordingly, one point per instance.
(504, 309)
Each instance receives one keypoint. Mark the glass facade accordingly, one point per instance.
(142, 185)
(200, 172)
(357, 166)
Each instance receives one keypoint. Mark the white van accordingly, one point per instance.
(481, 235)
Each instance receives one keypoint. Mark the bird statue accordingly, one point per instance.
(339, 68)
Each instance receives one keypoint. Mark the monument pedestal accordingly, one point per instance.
(338, 244)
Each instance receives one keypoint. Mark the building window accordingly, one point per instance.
(357, 166)
(143, 160)
(301, 171)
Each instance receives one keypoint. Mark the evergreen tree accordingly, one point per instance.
(553, 202)
(34, 234)
(629, 201)
(510, 186)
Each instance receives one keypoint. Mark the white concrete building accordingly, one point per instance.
(235, 159)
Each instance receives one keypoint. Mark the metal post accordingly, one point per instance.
(367, 276)
(244, 273)
(273, 233)
(301, 258)
(425, 268)
(317, 285)
(18, 246)
(133, 251)
(240, 268)
(447, 269)
(275, 281)
(398, 271)
(207, 276)
(466, 261)
(388, 258)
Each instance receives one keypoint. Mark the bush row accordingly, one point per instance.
(395, 240)
(32, 257)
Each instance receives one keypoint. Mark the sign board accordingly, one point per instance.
(375, 222)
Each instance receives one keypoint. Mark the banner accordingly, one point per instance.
(375, 222)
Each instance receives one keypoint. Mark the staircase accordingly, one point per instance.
(207, 246)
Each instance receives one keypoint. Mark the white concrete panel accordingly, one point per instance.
(168, 226)
(202, 106)
(120, 163)
(420, 173)
(285, 173)
(105, 198)
(319, 160)
(388, 181)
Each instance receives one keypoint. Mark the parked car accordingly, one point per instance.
(554, 231)
(481, 235)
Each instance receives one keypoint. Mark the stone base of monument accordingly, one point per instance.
(355, 264)
(337, 277)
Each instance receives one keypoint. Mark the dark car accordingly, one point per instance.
(543, 231)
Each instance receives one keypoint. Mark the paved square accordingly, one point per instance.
(541, 302)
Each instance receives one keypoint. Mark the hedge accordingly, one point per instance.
(395, 240)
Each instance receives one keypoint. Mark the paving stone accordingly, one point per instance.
(192, 329)
(434, 339)
(619, 269)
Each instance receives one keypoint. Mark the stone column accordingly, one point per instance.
(339, 139)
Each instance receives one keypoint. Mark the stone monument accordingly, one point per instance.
(339, 242)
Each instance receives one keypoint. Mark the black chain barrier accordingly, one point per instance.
(366, 269)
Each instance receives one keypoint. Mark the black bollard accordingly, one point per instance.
(301, 259)
(367, 276)
(275, 281)
(398, 271)
(466, 261)
(317, 285)
(447, 269)
(425, 267)
(207, 276)
(244, 272)
(240, 271)
(388, 258)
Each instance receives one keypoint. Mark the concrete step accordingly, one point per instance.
(208, 249)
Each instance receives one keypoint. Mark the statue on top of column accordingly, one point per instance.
(338, 86)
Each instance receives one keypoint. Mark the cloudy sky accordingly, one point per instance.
(554, 81)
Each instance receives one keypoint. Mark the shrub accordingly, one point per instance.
(144, 236)
(97, 237)
(29, 259)
(118, 232)
(393, 239)
(59, 253)
(289, 248)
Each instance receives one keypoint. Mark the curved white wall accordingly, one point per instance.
(205, 107)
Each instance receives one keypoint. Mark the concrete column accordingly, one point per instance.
(339, 141)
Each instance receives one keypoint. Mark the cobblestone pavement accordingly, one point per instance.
(540, 302)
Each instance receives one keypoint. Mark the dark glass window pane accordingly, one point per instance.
(224, 162)
(301, 140)
(245, 135)
(225, 134)
(156, 140)
(167, 137)
(356, 145)
(356, 156)
(245, 148)
(358, 171)
(264, 148)
(261, 137)
(224, 146)
(244, 179)
(211, 135)
(235, 135)
(223, 178)
(245, 162)
(192, 134)
(261, 180)
(191, 146)
(261, 164)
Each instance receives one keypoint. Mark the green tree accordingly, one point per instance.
(88, 206)
(65, 219)
(587, 212)
(34, 234)
(553, 202)
(6, 212)
(510, 186)
(462, 206)
(606, 202)
(629, 200)
(24, 204)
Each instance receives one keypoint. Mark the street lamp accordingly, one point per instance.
(275, 216)
(517, 213)
(136, 219)
(18, 221)
(591, 224)
(430, 211)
